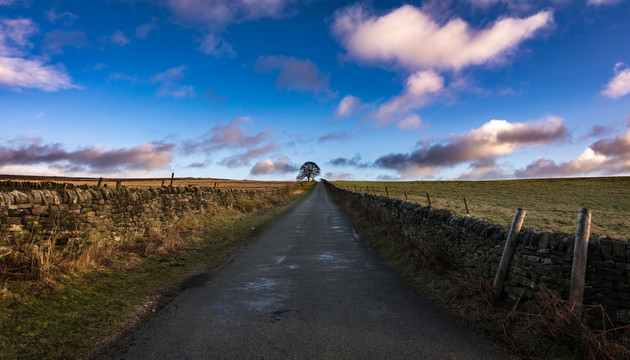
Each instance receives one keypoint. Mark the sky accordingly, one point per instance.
(368, 90)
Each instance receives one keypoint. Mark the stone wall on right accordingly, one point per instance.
(541, 258)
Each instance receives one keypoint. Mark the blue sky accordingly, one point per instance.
(470, 89)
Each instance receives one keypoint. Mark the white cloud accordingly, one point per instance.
(169, 83)
(410, 122)
(295, 74)
(410, 38)
(17, 73)
(478, 146)
(212, 17)
(333, 176)
(212, 44)
(619, 85)
(144, 30)
(608, 156)
(349, 105)
(119, 38)
(602, 2)
(419, 88)
(14, 36)
(268, 166)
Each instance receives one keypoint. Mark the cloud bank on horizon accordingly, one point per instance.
(458, 89)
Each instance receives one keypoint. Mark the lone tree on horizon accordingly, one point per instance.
(309, 171)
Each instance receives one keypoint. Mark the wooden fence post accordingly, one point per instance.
(162, 182)
(367, 188)
(508, 252)
(374, 190)
(580, 252)
(118, 184)
(466, 205)
(428, 199)
(100, 181)
(172, 176)
(355, 188)
(405, 195)
(386, 191)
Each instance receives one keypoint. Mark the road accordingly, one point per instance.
(308, 287)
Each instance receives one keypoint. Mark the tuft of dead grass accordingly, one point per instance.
(553, 317)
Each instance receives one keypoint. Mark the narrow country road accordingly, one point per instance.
(307, 288)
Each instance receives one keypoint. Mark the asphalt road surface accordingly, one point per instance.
(307, 288)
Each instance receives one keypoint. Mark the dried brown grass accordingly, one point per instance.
(553, 317)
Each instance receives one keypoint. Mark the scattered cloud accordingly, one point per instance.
(210, 95)
(34, 151)
(212, 17)
(14, 36)
(484, 169)
(246, 157)
(602, 2)
(419, 89)
(18, 73)
(212, 44)
(410, 38)
(493, 139)
(118, 38)
(169, 83)
(619, 85)
(597, 131)
(66, 17)
(268, 166)
(230, 135)
(348, 106)
(410, 122)
(198, 165)
(233, 136)
(333, 176)
(56, 40)
(294, 74)
(144, 30)
(609, 156)
(334, 136)
(355, 161)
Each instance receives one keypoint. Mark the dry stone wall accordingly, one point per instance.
(89, 214)
(540, 257)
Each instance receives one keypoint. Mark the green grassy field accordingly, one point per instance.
(551, 204)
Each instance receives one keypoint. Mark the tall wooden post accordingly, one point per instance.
(405, 195)
(162, 183)
(386, 191)
(428, 200)
(466, 205)
(172, 176)
(100, 181)
(508, 252)
(580, 252)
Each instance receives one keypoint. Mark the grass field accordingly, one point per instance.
(155, 182)
(551, 204)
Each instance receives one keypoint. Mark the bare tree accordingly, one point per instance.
(308, 171)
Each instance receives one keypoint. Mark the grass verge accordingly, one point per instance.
(544, 328)
(65, 313)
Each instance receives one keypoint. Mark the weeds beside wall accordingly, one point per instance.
(541, 258)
